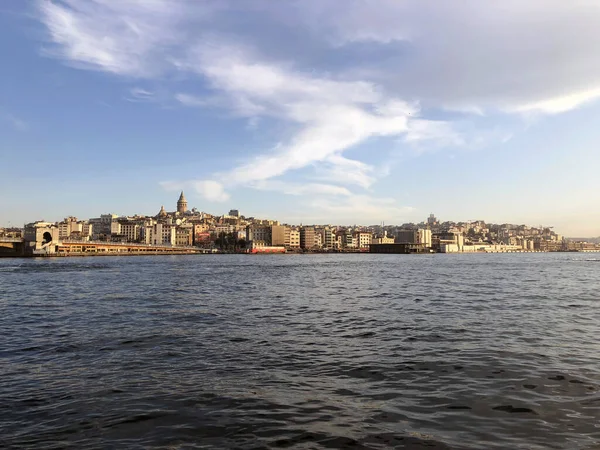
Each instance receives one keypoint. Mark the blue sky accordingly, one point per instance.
(305, 112)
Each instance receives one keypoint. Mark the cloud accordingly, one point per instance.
(473, 56)
(301, 188)
(331, 116)
(138, 94)
(561, 104)
(13, 121)
(134, 38)
(339, 169)
(479, 56)
(333, 78)
(211, 190)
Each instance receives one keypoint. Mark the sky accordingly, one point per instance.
(312, 111)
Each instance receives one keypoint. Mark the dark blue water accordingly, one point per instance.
(321, 351)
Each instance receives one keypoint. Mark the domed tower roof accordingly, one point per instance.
(162, 211)
(181, 204)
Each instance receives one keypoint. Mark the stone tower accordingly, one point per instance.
(181, 204)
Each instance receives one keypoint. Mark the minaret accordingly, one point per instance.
(181, 204)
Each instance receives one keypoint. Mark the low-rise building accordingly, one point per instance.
(184, 235)
(385, 239)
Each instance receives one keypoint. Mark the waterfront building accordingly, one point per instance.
(424, 237)
(318, 240)
(406, 236)
(184, 235)
(102, 226)
(329, 238)
(41, 237)
(420, 236)
(347, 239)
(307, 238)
(294, 238)
(363, 239)
(385, 239)
(449, 242)
(160, 234)
(279, 233)
(259, 233)
(130, 231)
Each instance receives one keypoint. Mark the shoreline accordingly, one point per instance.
(196, 253)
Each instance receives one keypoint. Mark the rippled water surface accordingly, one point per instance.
(320, 351)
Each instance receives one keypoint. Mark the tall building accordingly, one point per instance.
(347, 240)
(159, 234)
(307, 237)
(181, 204)
(279, 234)
(328, 238)
(424, 237)
(407, 236)
(130, 231)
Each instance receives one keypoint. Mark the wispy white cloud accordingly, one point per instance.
(138, 94)
(331, 116)
(442, 56)
(560, 104)
(303, 189)
(348, 172)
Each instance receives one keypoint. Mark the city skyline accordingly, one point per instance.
(312, 114)
(181, 210)
(193, 231)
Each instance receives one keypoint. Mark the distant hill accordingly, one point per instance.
(595, 240)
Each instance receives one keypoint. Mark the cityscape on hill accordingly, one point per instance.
(184, 229)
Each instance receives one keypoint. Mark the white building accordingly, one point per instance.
(363, 240)
(160, 234)
(294, 238)
(424, 237)
(329, 240)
